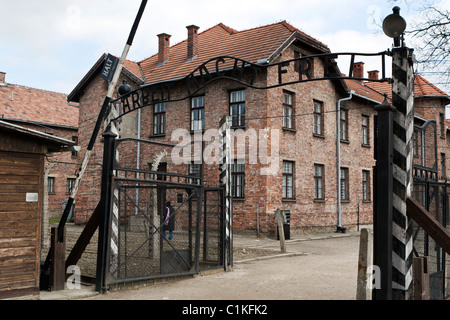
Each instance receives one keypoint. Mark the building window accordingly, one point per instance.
(237, 108)
(70, 184)
(237, 179)
(288, 180)
(297, 55)
(366, 185)
(319, 178)
(442, 124)
(443, 167)
(51, 185)
(75, 139)
(344, 125)
(344, 184)
(288, 110)
(159, 118)
(318, 118)
(198, 113)
(365, 130)
(195, 170)
(417, 144)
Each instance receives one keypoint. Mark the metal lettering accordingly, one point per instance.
(205, 76)
(237, 69)
(125, 105)
(135, 99)
(145, 97)
(191, 84)
(302, 71)
(254, 70)
(221, 60)
(202, 76)
(330, 63)
(281, 71)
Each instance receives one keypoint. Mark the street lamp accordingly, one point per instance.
(393, 171)
(125, 88)
(394, 25)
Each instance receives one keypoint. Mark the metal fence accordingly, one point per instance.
(146, 240)
(431, 190)
(435, 198)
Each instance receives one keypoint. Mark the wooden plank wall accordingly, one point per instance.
(20, 223)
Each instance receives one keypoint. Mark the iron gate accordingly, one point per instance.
(431, 190)
(141, 246)
(433, 197)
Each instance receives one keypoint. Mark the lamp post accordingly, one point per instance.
(395, 125)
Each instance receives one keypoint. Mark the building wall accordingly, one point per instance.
(21, 175)
(58, 165)
(434, 109)
(307, 149)
(263, 111)
(91, 101)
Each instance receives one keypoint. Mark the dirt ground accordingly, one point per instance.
(88, 261)
(317, 268)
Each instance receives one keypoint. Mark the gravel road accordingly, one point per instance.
(316, 269)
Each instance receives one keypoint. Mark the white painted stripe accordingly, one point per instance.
(399, 204)
(399, 173)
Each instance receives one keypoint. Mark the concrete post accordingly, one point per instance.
(363, 291)
(402, 241)
(279, 220)
(225, 180)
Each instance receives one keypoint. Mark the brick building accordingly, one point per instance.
(50, 113)
(312, 153)
(429, 104)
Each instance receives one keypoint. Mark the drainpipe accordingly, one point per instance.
(138, 159)
(338, 155)
(257, 217)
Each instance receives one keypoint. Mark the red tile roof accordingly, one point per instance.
(362, 89)
(251, 45)
(422, 88)
(133, 67)
(29, 104)
(425, 88)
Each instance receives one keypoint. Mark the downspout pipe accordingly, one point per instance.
(138, 159)
(338, 156)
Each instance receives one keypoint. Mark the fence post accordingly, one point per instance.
(382, 215)
(225, 180)
(105, 209)
(421, 278)
(279, 219)
(365, 254)
(58, 256)
(403, 101)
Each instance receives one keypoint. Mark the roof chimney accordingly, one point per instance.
(192, 43)
(163, 48)
(358, 70)
(373, 75)
(2, 78)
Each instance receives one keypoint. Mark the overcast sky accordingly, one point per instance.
(51, 44)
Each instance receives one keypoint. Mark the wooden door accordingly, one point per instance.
(21, 187)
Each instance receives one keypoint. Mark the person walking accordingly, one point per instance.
(169, 220)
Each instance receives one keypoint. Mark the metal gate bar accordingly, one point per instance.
(135, 247)
(433, 195)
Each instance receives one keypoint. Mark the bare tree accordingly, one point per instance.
(430, 34)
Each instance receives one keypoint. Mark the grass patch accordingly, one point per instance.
(54, 220)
